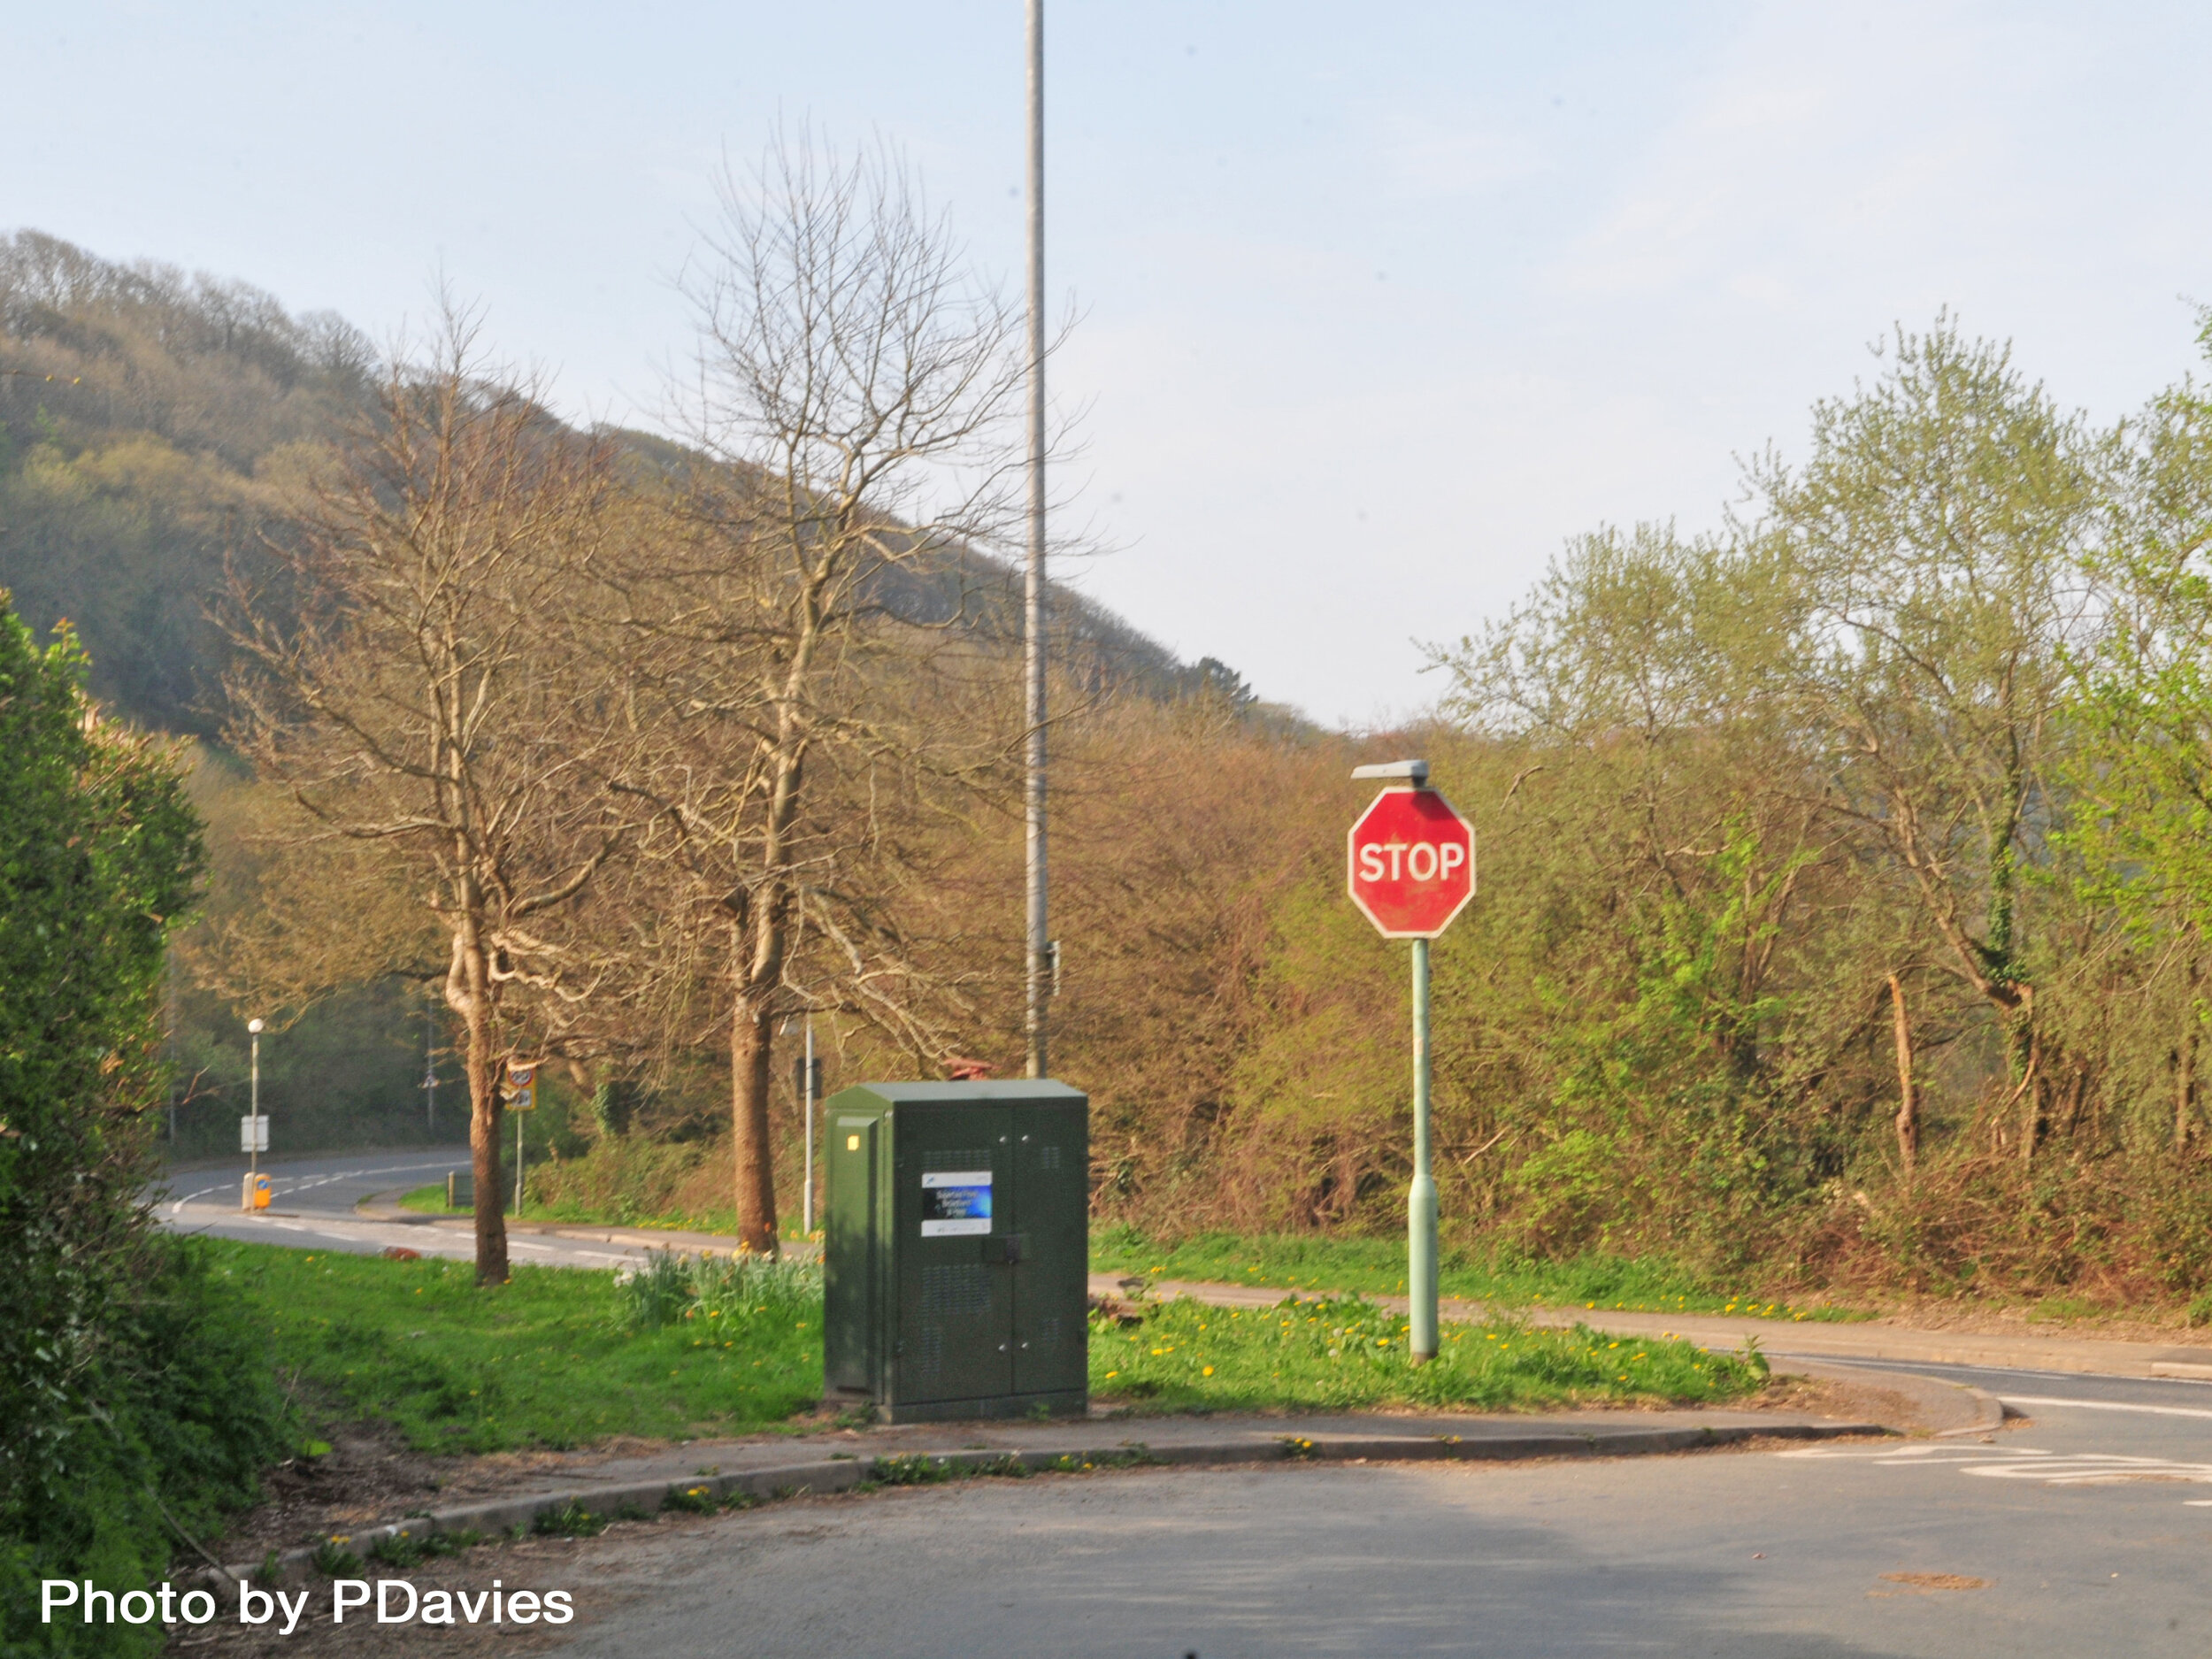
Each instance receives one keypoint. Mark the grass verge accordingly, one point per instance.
(430, 1201)
(1345, 1354)
(561, 1357)
(1311, 1261)
(545, 1360)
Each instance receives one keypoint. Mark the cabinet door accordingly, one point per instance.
(1051, 1215)
(955, 1295)
(852, 1330)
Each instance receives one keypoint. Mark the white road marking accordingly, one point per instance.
(2024, 1462)
(301, 1184)
(2103, 1405)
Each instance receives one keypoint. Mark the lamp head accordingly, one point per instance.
(254, 1025)
(1414, 772)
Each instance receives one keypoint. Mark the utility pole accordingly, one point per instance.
(1033, 613)
(806, 1219)
(430, 1067)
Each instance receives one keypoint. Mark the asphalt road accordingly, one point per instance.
(2083, 1532)
(311, 1206)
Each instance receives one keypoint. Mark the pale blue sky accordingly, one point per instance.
(1381, 304)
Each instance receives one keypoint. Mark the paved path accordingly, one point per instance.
(2082, 1532)
(1865, 1342)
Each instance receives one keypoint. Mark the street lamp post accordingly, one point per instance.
(1036, 927)
(253, 1028)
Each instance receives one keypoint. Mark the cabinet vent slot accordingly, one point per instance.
(960, 1290)
(977, 1159)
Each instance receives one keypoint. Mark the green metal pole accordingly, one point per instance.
(1421, 1202)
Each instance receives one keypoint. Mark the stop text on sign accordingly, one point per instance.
(1411, 863)
(1422, 861)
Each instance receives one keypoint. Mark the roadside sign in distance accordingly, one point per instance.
(1410, 859)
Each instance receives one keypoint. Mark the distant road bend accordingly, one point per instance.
(313, 1206)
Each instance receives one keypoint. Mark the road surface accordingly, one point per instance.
(312, 1205)
(2083, 1532)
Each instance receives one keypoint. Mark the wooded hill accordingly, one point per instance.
(151, 423)
(148, 419)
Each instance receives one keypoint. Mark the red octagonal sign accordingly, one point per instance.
(1412, 861)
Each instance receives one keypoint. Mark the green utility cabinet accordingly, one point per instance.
(957, 1251)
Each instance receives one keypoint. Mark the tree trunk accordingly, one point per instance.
(2185, 1069)
(751, 1039)
(2031, 1089)
(468, 987)
(1908, 1096)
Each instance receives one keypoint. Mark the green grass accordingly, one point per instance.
(430, 1201)
(566, 1356)
(545, 1360)
(1347, 1354)
(1311, 1261)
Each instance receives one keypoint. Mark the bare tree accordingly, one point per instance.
(433, 697)
(856, 391)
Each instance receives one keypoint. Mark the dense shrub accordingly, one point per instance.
(129, 1382)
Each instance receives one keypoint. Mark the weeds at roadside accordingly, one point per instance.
(570, 1520)
(920, 1468)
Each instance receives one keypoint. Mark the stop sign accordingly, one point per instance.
(1412, 861)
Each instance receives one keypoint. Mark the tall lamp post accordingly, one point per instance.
(1033, 608)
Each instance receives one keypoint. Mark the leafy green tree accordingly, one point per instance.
(1935, 539)
(124, 1388)
(2140, 779)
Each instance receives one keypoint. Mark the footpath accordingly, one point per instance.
(1866, 1342)
(381, 1207)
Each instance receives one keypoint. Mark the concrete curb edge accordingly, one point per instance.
(645, 1499)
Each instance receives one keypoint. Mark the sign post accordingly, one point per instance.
(1411, 868)
(522, 1096)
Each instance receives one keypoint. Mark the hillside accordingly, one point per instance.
(146, 419)
(144, 411)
